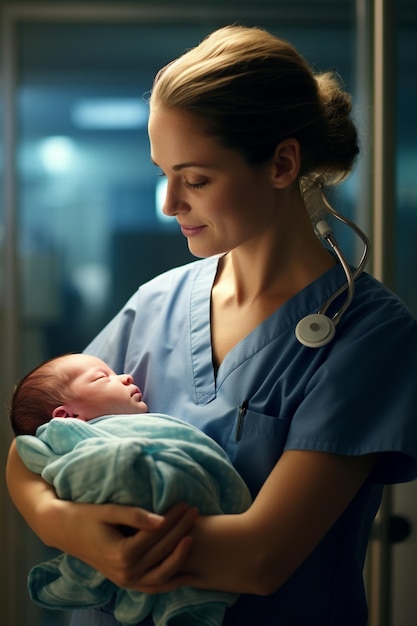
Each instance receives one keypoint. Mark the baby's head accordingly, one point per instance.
(73, 385)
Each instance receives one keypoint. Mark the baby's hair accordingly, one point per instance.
(37, 395)
(252, 90)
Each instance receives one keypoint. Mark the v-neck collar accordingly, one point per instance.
(206, 381)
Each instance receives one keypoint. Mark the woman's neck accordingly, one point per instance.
(276, 266)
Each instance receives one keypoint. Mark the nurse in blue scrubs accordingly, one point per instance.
(235, 125)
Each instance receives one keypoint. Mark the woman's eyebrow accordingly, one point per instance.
(181, 166)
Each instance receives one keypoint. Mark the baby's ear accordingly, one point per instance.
(62, 411)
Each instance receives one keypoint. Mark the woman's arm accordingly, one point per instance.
(30, 495)
(96, 534)
(257, 551)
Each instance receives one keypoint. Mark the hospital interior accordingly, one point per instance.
(80, 206)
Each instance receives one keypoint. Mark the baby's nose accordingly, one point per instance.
(126, 379)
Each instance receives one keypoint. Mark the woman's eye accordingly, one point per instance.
(195, 185)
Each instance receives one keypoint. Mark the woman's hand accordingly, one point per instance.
(129, 544)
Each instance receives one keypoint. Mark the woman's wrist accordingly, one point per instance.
(220, 557)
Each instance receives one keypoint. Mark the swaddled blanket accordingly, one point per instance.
(152, 461)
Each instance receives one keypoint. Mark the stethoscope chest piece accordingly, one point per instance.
(315, 330)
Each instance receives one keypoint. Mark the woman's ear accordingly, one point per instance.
(286, 163)
(62, 411)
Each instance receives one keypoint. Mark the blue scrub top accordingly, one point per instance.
(355, 396)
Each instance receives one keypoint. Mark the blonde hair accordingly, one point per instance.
(252, 90)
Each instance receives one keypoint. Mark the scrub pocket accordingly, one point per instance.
(256, 442)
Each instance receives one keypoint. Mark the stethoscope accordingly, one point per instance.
(318, 329)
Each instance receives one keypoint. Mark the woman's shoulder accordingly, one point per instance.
(177, 279)
(377, 303)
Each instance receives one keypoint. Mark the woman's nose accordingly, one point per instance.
(173, 205)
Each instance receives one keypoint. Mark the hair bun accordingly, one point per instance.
(339, 147)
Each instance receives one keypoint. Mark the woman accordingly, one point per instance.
(236, 125)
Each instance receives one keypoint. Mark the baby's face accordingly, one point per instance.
(99, 390)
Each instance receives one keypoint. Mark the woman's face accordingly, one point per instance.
(219, 201)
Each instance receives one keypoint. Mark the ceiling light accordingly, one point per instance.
(110, 113)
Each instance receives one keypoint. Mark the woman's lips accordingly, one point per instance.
(191, 231)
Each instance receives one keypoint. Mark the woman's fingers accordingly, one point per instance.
(164, 577)
(162, 550)
(170, 547)
(160, 541)
(129, 545)
(130, 517)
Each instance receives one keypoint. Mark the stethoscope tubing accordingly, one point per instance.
(318, 329)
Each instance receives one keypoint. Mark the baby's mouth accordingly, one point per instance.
(135, 391)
